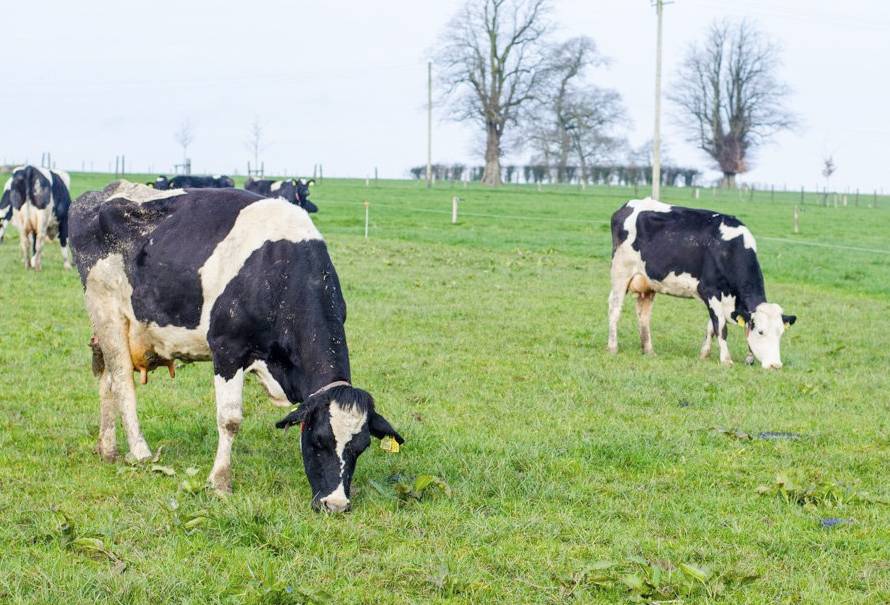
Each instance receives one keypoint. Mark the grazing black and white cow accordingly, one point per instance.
(36, 201)
(690, 253)
(227, 276)
(188, 181)
(296, 191)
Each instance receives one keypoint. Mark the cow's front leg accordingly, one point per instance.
(66, 257)
(229, 393)
(715, 308)
(644, 319)
(709, 334)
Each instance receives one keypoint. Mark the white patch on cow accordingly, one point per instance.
(646, 205)
(217, 176)
(766, 336)
(683, 285)
(279, 398)
(139, 193)
(346, 423)
(729, 233)
(276, 186)
(336, 501)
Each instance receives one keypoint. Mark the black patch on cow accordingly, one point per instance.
(161, 258)
(619, 233)
(688, 240)
(285, 307)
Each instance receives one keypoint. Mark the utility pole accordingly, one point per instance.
(656, 152)
(429, 124)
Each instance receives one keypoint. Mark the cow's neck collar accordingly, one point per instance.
(329, 386)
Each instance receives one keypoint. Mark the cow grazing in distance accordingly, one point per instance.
(187, 181)
(690, 253)
(36, 201)
(226, 276)
(296, 191)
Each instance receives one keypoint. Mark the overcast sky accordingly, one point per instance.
(344, 83)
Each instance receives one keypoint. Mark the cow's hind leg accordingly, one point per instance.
(644, 319)
(25, 246)
(229, 394)
(107, 446)
(119, 388)
(616, 300)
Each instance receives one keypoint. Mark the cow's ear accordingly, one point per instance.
(380, 428)
(295, 417)
(741, 317)
(789, 320)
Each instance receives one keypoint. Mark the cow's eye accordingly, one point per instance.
(760, 332)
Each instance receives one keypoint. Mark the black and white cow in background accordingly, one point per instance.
(36, 201)
(659, 248)
(295, 191)
(192, 182)
(231, 277)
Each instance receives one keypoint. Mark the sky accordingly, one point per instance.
(343, 83)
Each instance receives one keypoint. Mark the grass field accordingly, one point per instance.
(573, 475)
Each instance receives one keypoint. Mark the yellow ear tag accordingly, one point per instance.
(740, 321)
(388, 444)
(787, 325)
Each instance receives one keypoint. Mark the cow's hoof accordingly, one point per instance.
(649, 352)
(612, 349)
(140, 452)
(726, 363)
(107, 454)
(68, 266)
(749, 360)
(704, 354)
(220, 482)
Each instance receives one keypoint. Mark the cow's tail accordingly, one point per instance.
(61, 205)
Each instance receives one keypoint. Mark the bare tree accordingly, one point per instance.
(729, 95)
(255, 141)
(572, 120)
(492, 62)
(184, 136)
(594, 115)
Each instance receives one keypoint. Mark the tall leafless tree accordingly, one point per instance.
(184, 136)
(491, 63)
(572, 119)
(255, 141)
(729, 96)
(594, 118)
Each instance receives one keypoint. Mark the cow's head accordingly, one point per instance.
(336, 427)
(764, 328)
(302, 195)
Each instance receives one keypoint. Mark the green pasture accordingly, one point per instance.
(568, 475)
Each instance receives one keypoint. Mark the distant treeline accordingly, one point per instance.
(539, 173)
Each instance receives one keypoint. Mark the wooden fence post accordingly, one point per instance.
(367, 205)
(454, 201)
(796, 219)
